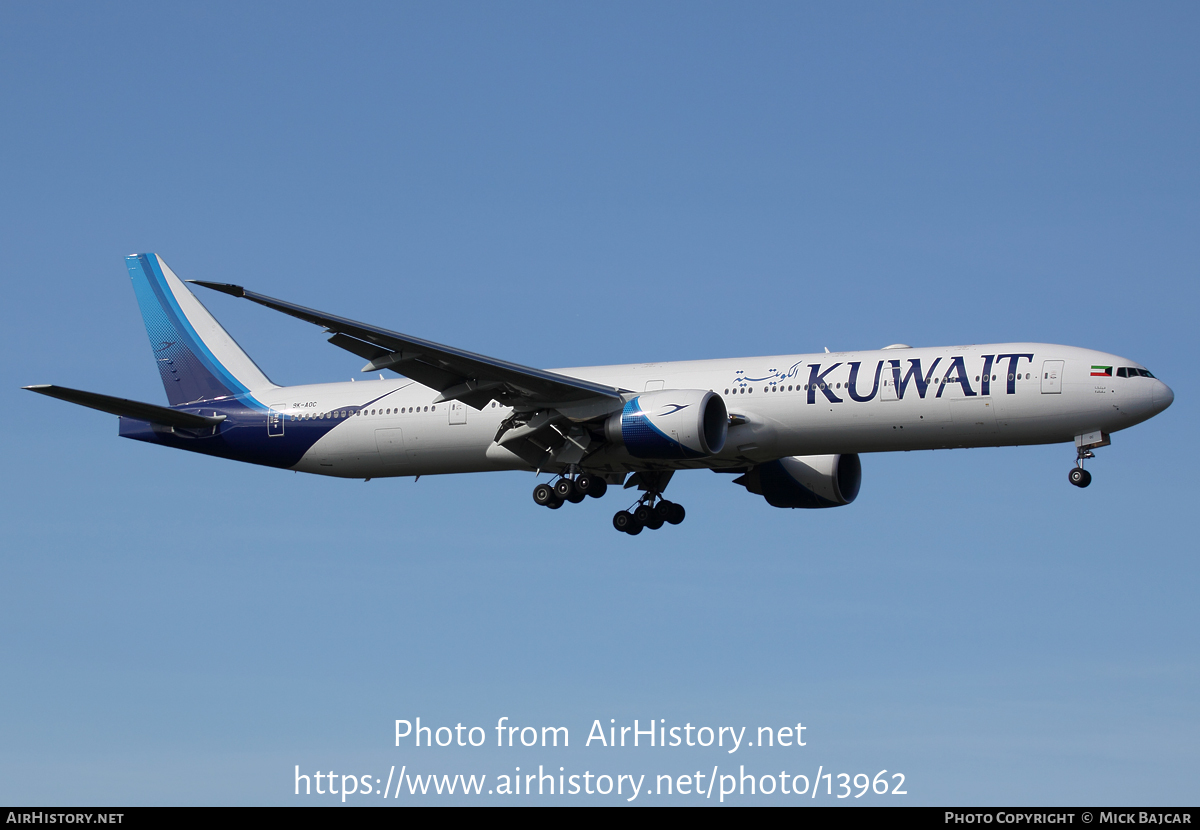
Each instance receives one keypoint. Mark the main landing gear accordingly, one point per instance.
(569, 489)
(651, 510)
(648, 514)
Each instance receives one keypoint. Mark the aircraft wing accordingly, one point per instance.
(474, 379)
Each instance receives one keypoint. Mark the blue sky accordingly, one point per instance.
(568, 184)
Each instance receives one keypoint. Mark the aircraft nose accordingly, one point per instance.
(1163, 396)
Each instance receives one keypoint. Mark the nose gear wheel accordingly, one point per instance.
(1078, 476)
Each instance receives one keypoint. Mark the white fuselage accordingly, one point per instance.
(792, 405)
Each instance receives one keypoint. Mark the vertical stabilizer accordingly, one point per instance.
(197, 359)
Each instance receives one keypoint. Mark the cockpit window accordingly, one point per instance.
(1132, 372)
(1144, 373)
(1122, 372)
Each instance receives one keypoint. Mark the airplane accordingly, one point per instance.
(791, 428)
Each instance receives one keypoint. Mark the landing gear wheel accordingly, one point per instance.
(584, 483)
(544, 495)
(643, 515)
(676, 514)
(599, 488)
(554, 505)
(662, 510)
(564, 488)
(1080, 477)
(624, 522)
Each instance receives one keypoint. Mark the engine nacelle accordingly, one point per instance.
(806, 480)
(671, 423)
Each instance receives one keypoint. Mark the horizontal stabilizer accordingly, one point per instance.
(127, 408)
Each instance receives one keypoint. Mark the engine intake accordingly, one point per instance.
(807, 481)
(671, 423)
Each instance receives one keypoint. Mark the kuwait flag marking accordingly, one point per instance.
(1102, 371)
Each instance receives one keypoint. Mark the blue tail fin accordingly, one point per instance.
(197, 359)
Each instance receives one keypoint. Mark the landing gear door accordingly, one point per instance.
(1052, 377)
(275, 419)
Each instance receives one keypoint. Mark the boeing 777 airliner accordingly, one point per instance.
(791, 428)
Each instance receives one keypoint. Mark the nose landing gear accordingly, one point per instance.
(1084, 444)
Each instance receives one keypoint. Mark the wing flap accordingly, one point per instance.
(359, 347)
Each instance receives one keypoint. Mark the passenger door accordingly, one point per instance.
(1052, 377)
(887, 386)
(275, 418)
